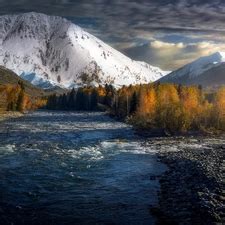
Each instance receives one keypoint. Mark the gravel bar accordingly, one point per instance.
(193, 187)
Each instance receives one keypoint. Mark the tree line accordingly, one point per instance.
(81, 99)
(171, 107)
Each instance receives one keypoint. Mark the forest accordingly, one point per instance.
(14, 98)
(174, 108)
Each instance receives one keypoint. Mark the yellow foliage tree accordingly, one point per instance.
(168, 107)
(191, 106)
(220, 108)
(147, 103)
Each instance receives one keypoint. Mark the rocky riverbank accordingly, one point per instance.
(9, 115)
(193, 187)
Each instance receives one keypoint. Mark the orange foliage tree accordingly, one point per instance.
(220, 108)
(168, 107)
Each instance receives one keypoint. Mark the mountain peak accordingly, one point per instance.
(206, 71)
(214, 58)
(219, 53)
(218, 56)
(52, 49)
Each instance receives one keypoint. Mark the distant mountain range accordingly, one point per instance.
(52, 51)
(208, 71)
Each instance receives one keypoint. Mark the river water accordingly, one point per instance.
(75, 168)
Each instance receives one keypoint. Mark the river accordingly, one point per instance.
(75, 168)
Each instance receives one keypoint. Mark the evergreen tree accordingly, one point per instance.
(52, 102)
(133, 103)
(80, 100)
(59, 102)
(94, 100)
(21, 85)
(109, 91)
(64, 104)
(20, 101)
(72, 100)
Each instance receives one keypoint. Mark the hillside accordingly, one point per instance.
(9, 77)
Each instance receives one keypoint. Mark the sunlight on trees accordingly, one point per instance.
(170, 107)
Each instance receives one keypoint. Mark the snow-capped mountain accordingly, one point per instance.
(206, 71)
(50, 50)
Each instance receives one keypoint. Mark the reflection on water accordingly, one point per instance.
(74, 168)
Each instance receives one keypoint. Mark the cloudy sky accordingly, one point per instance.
(165, 33)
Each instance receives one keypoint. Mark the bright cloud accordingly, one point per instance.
(174, 55)
(165, 45)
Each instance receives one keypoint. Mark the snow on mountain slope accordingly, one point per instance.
(190, 73)
(49, 50)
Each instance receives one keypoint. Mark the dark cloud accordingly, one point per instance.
(136, 23)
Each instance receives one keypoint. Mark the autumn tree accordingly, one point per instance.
(168, 107)
(220, 108)
(147, 102)
(191, 101)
